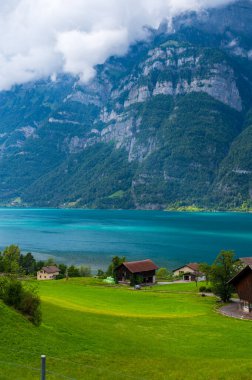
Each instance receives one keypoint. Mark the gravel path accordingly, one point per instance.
(232, 310)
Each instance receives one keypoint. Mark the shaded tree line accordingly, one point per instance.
(12, 261)
(223, 269)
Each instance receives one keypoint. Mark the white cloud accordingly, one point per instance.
(41, 38)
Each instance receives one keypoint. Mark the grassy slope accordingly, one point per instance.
(91, 331)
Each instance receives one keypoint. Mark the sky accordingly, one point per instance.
(43, 38)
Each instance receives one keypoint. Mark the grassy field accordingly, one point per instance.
(92, 331)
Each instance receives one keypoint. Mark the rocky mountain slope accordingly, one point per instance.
(168, 125)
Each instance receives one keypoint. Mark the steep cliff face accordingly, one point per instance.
(167, 124)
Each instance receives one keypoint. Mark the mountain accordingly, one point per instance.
(169, 125)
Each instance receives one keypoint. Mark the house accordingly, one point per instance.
(189, 272)
(48, 273)
(243, 285)
(145, 269)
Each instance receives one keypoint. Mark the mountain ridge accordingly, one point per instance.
(167, 125)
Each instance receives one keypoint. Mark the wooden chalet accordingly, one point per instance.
(145, 269)
(243, 285)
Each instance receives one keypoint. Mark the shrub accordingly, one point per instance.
(2, 286)
(205, 289)
(101, 274)
(30, 306)
(60, 276)
(13, 293)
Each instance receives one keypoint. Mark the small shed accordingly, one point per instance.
(243, 285)
(48, 273)
(144, 269)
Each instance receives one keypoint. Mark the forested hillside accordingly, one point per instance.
(169, 125)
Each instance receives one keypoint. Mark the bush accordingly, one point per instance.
(2, 287)
(13, 293)
(60, 276)
(205, 289)
(101, 274)
(30, 306)
(202, 289)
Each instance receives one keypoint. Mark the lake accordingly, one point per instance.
(92, 237)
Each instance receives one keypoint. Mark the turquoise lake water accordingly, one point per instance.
(93, 236)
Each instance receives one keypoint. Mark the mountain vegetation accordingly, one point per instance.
(168, 126)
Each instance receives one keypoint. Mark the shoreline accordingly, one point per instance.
(199, 211)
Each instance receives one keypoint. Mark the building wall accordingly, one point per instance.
(182, 270)
(42, 275)
(124, 274)
(244, 288)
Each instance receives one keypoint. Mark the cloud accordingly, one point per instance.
(41, 38)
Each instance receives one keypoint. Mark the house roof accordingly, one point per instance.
(235, 280)
(50, 269)
(140, 266)
(246, 260)
(193, 266)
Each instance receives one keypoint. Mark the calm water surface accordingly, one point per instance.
(93, 236)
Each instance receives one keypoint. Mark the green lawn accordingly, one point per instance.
(91, 331)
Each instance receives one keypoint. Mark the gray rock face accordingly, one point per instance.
(175, 104)
(221, 86)
(138, 94)
(120, 123)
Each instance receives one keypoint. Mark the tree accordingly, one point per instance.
(163, 273)
(73, 271)
(49, 262)
(116, 261)
(1, 263)
(11, 257)
(40, 264)
(223, 269)
(63, 270)
(27, 263)
(206, 270)
(85, 271)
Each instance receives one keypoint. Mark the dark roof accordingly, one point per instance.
(246, 260)
(245, 271)
(140, 266)
(51, 269)
(193, 266)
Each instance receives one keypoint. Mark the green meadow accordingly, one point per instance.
(93, 331)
